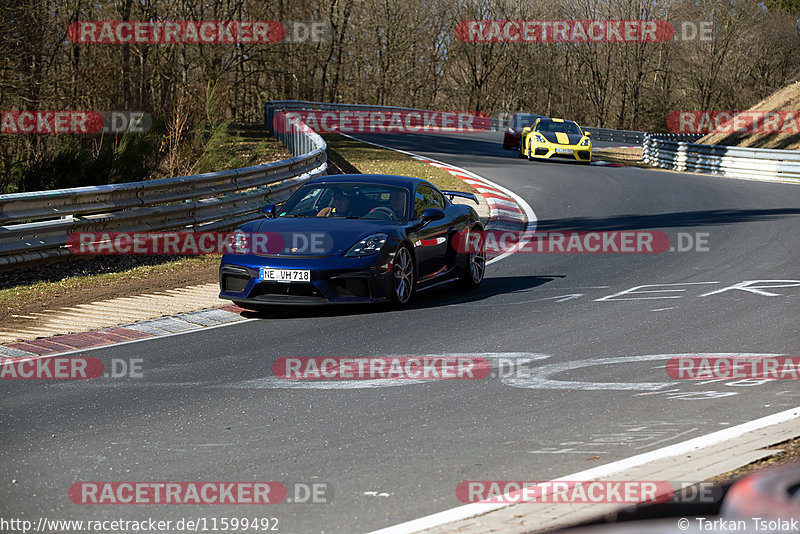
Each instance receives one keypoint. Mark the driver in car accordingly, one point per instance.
(397, 200)
(340, 207)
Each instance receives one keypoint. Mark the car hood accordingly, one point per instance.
(316, 236)
(562, 138)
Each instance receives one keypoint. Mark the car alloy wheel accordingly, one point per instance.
(477, 266)
(403, 271)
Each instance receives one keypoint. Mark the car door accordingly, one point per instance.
(431, 241)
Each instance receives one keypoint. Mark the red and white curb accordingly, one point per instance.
(507, 211)
(69, 343)
(504, 212)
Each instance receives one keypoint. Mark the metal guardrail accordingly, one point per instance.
(35, 226)
(616, 136)
(632, 136)
(737, 162)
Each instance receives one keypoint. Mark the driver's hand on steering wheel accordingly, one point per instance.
(387, 211)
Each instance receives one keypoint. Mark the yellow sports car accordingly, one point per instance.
(555, 138)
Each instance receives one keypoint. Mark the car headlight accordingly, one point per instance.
(540, 138)
(239, 243)
(369, 245)
(586, 141)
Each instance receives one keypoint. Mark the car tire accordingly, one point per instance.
(403, 276)
(474, 265)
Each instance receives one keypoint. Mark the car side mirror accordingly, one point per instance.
(431, 214)
(587, 134)
(269, 211)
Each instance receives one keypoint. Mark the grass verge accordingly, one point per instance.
(232, 146)
(784, 99)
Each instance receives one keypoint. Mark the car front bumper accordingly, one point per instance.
(337, 280)
(556, 151)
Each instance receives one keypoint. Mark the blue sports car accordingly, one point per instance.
(353, 239)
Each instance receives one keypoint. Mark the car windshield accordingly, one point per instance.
(349, 200)
(549, 126)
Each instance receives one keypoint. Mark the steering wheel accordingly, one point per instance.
(380, 209)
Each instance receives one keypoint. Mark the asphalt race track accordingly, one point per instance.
(208, 408)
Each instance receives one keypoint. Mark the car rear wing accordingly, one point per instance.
(461, 194)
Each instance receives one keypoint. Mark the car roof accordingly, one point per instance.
(545, 119)
(408, 182)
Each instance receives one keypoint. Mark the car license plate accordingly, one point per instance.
(564, 150)
(283, 275)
